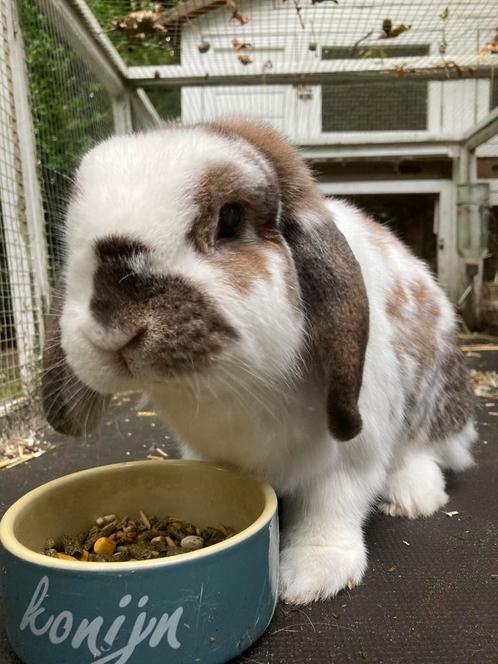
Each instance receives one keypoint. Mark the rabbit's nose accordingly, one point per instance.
(111, 340)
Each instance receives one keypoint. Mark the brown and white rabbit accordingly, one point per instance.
(274, 330)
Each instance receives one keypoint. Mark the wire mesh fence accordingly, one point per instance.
(348, 39)
(248, 32)
(18, 310)
(70, 111)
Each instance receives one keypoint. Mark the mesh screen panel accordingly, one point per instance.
(210, 34)
(70, 112)
(18, 314)
(383, 106)
(208, 38)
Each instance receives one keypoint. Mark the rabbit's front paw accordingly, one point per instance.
(415, 489)
(313, 573)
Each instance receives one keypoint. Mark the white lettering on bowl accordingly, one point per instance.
(61, 627)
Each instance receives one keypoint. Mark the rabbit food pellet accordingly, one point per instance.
(111, 539)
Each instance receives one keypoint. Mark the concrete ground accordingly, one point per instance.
(431, 591)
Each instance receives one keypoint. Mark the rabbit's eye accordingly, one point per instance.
(230, 220)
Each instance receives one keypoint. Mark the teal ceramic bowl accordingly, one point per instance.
(205, 606)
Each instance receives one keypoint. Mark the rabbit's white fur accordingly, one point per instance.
(143, 175)
(259, 408)
(331, 486)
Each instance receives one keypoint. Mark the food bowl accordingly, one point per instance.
(204, 606)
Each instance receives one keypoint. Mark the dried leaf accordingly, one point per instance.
(445, 14)
(239, 46)
(146, 413)
(388, 32)
(402, 70)
(141, 24)
(245, 59)
(19, 449)
(485, 383)
(399, 30)
(237, 16)
(451, 64)
(491, 48)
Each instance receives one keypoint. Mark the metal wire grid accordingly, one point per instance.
(251, 35)
(71, 112)
(382, 106)
(264, 36)
(19, 350)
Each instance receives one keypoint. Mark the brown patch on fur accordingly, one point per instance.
(70, 407)
(396, 300)
(437, 360)
(118, 248)
(421, 293)
(242, 266)
(177, 327)
(455, 404)
(222, 184)
(298, 191)
(423, 333)
(416, 329)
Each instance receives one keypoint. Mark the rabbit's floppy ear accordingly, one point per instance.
(331, 282)
(70, 407)
(336, 306)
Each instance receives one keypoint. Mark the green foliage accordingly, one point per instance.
(167, 102)
(155, 50)
(71, 109)
(71, 112)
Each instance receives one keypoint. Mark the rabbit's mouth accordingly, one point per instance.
(131, 348)
(140, 364)
(140, 326)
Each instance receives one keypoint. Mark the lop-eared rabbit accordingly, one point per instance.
(274, 330)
